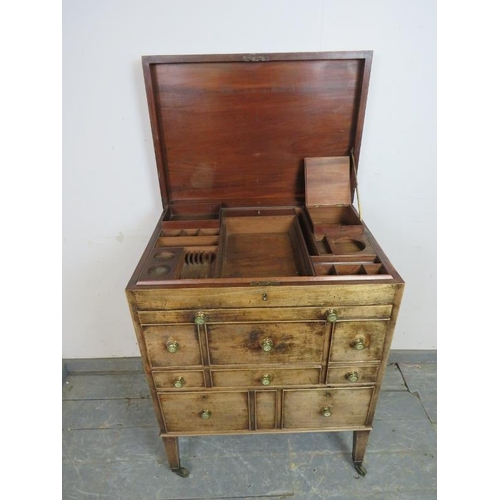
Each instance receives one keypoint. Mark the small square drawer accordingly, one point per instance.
(266, 377)
(179, 380)
(266, 343)
(330, 408)
(352, 375)
(358, 340)
(201, 412)
(172, 345)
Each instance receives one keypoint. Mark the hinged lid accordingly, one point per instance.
(327, 181)
(236, 128)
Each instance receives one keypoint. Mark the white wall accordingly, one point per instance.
(110, 191)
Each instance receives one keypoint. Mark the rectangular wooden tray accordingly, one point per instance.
(262, 247)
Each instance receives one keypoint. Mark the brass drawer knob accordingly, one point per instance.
(179, 382)
(267, 345)
(326, 411)
(352, 376)
(205, 414)
(359, 344)
(331, 316)
(266, 379)
(200, 318)
(173, 346)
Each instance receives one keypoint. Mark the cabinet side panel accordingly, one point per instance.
(145, 362)
(398, 295)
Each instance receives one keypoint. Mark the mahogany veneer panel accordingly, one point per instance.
(229, 411)
(192, 380)
(157, 338)
(340, 374)
(346, 333)
(277, 377)
(240, 343)
(235, 130)
(303, 408)
(265, 413)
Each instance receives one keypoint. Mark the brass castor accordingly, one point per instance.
(360, 469)
(181, 471)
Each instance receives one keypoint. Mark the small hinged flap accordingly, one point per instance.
(327, 181)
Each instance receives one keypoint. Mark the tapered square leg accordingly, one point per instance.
(359, 444)
(174, 461)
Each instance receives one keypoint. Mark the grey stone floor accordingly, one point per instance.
(111, 448)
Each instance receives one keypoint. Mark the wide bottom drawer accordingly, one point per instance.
(319, 408)
(205, 412)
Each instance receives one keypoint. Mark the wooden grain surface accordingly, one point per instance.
(261, 116)
(182, 411)
(157, 337)
(339, 374)
(242, 315)
(193, 379)
(278, 377)
(327, 181)
(241, 343)
(208, 297)
(246, 243)
(345, 333)
(302, 408)
(265, 409)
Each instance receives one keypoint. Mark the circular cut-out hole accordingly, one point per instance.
(348, 245)
(164, 256)
(157, 271)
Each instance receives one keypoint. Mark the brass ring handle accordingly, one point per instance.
(326, 411)
(267, 345)
(200, 318)
(331, 316)
(173, 346)
(359, 344)
(179, 382)
(205, 414)
(352, 376)
(266, 379)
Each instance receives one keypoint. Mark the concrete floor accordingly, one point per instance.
(111, 448)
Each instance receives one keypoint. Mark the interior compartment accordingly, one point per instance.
(262, 246)
(198, 263)
(161, 265)
(322, 245)
(188, 237)
(344, 246)
(349, 269)
(335, 221)
(192, 216)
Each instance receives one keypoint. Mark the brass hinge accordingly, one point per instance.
(255, 58)
(265, 283)
(355, 171)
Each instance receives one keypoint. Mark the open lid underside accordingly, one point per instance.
(235, 129)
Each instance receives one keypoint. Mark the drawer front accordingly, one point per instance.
(183, 339)
(265, 410)
(246, 343)
(249, 315)
(278, 296)
(223, 411)
(317, 409)
(358, 340)
(352, 375)
(265, 377)
(179, 380)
